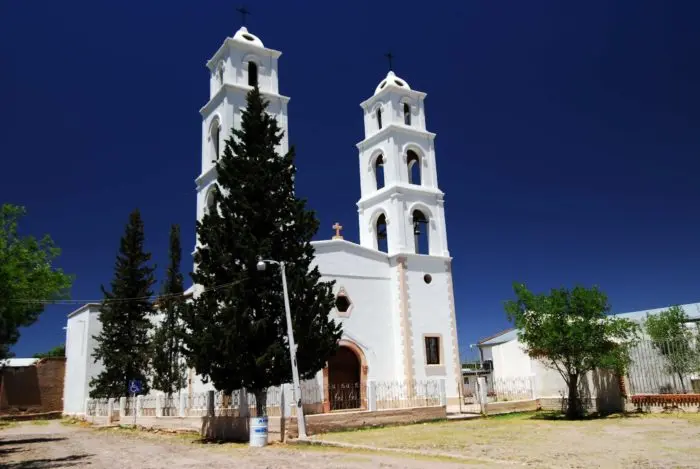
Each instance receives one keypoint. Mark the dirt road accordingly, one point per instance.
(31, 446)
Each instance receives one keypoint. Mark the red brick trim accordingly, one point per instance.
(665, 399)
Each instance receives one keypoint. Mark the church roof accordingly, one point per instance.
(244, 36)
(391, 80)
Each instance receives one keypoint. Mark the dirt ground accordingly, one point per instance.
(53, 445)
(637, 441)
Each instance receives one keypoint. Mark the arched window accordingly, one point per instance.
(379, 171)
(215, 131)
(382, 238)
(414, 169)
(406, 114)
(379, 118)
(209, 202)
(421, 232)
(252, 73)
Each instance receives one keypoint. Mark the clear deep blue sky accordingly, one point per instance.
(568, 136)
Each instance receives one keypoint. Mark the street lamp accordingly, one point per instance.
(262, 264)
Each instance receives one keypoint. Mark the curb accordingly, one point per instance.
(439, 454)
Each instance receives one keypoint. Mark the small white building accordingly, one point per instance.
(394, 289)
(82, 326)
(509, 361)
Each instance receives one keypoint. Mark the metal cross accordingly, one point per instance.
(243, 11)
(337, 227)
(389, 56)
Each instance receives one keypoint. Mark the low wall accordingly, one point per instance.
(495, 408)
(663, 402)
(336, 421)
(37, 388)
(601, 405)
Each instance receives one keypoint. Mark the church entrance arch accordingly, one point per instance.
(345, 379)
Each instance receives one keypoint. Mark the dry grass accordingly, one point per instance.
(666, 440)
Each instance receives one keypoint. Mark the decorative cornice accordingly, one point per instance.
(218, 96)
(385, 132)
(233, 43)
(390, 88)
(398, 189)
(206, 177)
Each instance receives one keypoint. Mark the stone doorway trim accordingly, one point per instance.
(363, 376)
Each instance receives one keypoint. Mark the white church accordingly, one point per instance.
(394, 289)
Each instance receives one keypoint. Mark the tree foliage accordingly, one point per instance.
(168, 369)
(675, 341)
(27, 274)
(237, 330)
(123, 344)
(57, 351)
(571, 331)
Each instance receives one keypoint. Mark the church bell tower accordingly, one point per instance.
(238, 65)
(401, 208)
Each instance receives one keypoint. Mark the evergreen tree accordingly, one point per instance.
(168, 370)
(237, 328)
(123, 345)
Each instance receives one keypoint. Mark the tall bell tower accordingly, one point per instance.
(401, 208)
(238, 65)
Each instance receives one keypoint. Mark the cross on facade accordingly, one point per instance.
(337, 227)
(390, 56)
(244, 12)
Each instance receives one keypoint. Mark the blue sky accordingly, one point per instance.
(567, 142)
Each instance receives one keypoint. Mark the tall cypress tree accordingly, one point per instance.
(238, 335)
(123, 345)
(168, 370)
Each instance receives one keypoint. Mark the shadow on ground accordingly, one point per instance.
(67, 461)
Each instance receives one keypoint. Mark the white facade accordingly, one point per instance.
(83, 324)
(400, 318)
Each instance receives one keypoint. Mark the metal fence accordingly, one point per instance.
(403, 394)
(501, 389)
(668, 367)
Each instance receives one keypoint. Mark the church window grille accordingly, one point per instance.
(379, 171)
(406, 114)
(414, 168)
(432, 350)
(379, 119)
(382, 238)
(252, 74)
(420, 232)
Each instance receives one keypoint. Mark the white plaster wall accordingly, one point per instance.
(372, 322)
(429, 312)
(76, 364)
(509, 360)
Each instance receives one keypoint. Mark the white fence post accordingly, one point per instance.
(87, 406)
(371, 395)
(159, 405)
(210, 403)
(183, 404)
(110, 409)
(443, 392)
(122, 407)
(243, 409)
(139, 406)
(482, 393)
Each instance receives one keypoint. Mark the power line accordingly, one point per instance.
(116, 300)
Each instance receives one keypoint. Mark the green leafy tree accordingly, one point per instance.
(26, 274)
(571, 331)
(675, 341)
(168, 370)
(237, 328)
(124, 345)
(57, 351)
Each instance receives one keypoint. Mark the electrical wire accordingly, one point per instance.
(153, 298)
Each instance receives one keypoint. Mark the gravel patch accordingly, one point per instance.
(61, 446)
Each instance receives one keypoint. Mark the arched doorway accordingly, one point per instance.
(345, 379)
